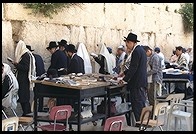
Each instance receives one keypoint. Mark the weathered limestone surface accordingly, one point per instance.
(93, 23)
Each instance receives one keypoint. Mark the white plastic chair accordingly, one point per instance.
(178, 112)
(172, 98)
(10, 124)
(160, 110)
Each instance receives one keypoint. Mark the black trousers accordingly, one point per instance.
(138, 99)
(26, 108)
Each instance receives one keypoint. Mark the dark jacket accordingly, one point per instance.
(5, 86)
(136, 75)
(101, 61)
(76, 65)
(22, 77)
(58, 60)
(39, 63)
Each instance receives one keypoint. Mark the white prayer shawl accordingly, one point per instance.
(113, 59)
(20, 50)
(83, 53)
(128, 60)
(11, 97)
(109, 62)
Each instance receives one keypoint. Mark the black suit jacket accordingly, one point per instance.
(136, 75)
(39, 63)
(58, 60)
(76, 65)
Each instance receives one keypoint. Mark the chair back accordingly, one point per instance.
(145, 117)
(10, 124)
(175, 98)
(114, 123)
(60, 112)
(161, 109)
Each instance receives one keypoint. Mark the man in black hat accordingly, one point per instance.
(62, 47)
(136, 74)
(76, 64)
(39, 64)
(58, 59)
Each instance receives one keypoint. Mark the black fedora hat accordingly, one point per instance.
(29, 47)
(63, 43)
(52, 44)
(71, 48)
(131, 37)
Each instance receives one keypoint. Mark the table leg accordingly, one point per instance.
(105, 100)
(128, 115)
(35, 110)
(79, 114)
(109, 103)
(92, 104)
(169, 87)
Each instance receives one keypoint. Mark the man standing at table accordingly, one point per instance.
(136, 74)
(156, 75)
(40, 69)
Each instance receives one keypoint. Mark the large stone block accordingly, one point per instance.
(7, 42)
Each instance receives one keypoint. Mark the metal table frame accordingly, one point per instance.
(62, 92)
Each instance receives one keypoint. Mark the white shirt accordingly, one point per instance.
(187, 56)
(163, 59)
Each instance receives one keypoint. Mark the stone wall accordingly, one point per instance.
(93, 23)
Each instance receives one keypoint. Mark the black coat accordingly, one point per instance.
(39, 63)
(58, 60)
(5, 86)
(101, 61)
(136, 75)
(76, 65)
(22, 77)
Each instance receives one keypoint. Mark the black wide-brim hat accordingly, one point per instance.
(52, 44)
(29, 47)
(63, 43)
(71, 48)
(131, 37)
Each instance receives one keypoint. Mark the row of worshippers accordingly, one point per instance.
(131, 65)
(65, 59)
(183, 57)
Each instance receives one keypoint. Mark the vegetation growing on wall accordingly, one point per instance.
(47, 9)
(187, 14)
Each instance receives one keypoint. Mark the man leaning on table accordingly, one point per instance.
(135, 74)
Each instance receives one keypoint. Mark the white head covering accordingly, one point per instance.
(104, 52)
(83, 53)
(20, 50)
(10, 99)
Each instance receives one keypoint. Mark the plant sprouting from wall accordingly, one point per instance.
(187, 14)
(47, 9)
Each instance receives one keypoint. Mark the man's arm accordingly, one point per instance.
(73, 66)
